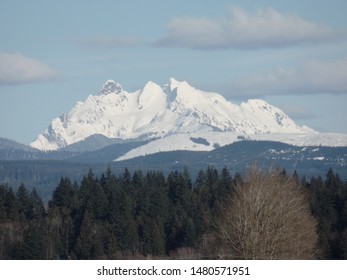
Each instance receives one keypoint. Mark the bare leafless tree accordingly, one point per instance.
(268, 217)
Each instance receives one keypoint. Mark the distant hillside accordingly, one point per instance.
(45, 174)
(12, 150)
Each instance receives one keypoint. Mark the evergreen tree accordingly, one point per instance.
(328, 201)
(37, 209)
(225, 187)
(33, 245)
(152, 212)
(3, 210)
(180, 211)
(120, 216)
(11, 206)
(63, 196)
(24, 205)
(85, 245)
(61, 211)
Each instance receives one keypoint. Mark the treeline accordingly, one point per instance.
(134, 216)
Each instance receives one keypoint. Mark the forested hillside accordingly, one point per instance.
(149, 215)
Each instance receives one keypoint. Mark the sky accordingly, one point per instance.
(292, 54)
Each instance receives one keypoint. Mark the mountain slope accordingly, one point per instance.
(208, 141)
(155, 112)
(12, 150)
(307, 160)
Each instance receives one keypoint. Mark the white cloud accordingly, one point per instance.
(18, 69)
(312, 77)
(267, 28)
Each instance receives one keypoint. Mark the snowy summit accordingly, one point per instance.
(156, 112)
(110, 87)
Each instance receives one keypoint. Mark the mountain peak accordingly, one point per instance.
(174, 84)
(154, 111)
(110, 86)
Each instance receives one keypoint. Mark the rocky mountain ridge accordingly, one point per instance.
(156, 112)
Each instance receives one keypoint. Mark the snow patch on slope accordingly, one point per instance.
(216, 139)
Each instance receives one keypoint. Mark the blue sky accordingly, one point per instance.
(293, 54)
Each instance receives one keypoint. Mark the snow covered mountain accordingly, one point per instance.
(156, 112)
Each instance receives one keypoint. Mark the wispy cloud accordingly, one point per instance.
(109, 42)
(312, 77)
(266, 28)
(18, 69)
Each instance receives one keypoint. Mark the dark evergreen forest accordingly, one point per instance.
(149, 215)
